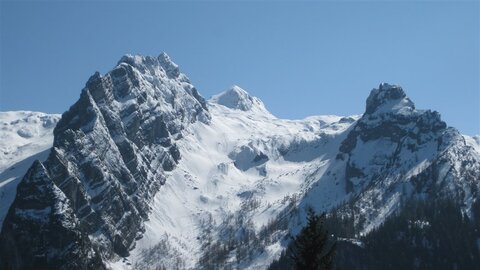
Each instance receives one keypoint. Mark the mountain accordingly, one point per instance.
(144, 173)
(395, 151)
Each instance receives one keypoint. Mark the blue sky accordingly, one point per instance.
(300, 58)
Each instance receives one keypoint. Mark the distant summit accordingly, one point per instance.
(238, 99)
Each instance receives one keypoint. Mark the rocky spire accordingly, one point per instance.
(388, 98)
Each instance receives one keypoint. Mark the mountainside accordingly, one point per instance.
(395, 152)
(111, 148)
(144, 173)
(24, 137)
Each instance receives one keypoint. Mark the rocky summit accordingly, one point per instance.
(142, 172)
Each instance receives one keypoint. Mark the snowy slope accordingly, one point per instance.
(24, 137)
(247, 164)
(238, 157)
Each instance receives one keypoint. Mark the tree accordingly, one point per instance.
(312, 249)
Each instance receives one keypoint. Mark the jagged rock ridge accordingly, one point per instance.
(111, 149)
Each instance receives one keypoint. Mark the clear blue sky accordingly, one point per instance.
(300, 58)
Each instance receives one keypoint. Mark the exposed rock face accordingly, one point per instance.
(41, 230)
(110, 152)
(388, 97)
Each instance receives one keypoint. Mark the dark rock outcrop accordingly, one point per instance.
(41, 230)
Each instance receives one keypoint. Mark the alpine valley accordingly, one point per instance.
(143, 173)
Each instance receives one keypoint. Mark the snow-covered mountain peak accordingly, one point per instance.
(388, 109)
(145, 86)
(391, 115)
(117, 142)
(145, 174)
(238, 99)
(388, 98)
